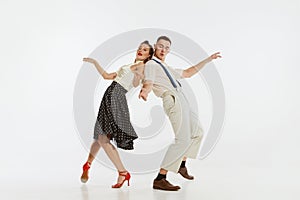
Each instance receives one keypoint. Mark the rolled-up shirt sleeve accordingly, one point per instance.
(178, 73)
(150, 72)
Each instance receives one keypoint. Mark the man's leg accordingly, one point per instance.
(177, 109)
(161, 182)
(183, 170)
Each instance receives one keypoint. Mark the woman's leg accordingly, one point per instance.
(113, 155)
(93, 152)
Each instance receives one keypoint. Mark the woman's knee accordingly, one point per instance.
(103, 140)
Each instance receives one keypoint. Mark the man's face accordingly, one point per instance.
(162, 48)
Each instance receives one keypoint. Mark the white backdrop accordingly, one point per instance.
(41, 48)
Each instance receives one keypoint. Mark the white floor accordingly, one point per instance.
(226, 183)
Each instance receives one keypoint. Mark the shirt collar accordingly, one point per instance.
(157, 59)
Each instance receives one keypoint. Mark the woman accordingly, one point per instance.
(113, 120)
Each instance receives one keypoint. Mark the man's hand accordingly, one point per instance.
(143, 94)
(215, 56)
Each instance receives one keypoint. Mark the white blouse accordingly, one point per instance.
(125, 76)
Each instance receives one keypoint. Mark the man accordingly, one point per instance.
(161, 78)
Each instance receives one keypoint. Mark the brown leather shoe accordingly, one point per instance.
(163, 184)
(184, 173)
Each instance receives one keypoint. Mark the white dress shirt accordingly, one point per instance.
(155, 74)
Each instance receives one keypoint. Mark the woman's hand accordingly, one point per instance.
(103, 73)
(90, 60)
(138, 74)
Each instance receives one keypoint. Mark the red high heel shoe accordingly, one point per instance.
(85, 174)
(127, 178)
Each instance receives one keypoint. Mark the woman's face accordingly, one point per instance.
(142, 53)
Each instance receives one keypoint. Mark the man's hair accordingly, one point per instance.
(163, 38)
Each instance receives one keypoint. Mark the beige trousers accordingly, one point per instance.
(187, 129)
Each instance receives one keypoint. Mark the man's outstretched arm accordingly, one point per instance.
(189, 72)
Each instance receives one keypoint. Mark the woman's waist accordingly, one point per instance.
(120, 85)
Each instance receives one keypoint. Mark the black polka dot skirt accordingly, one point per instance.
(113, 117)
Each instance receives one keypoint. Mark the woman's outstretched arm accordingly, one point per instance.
(104, 74)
